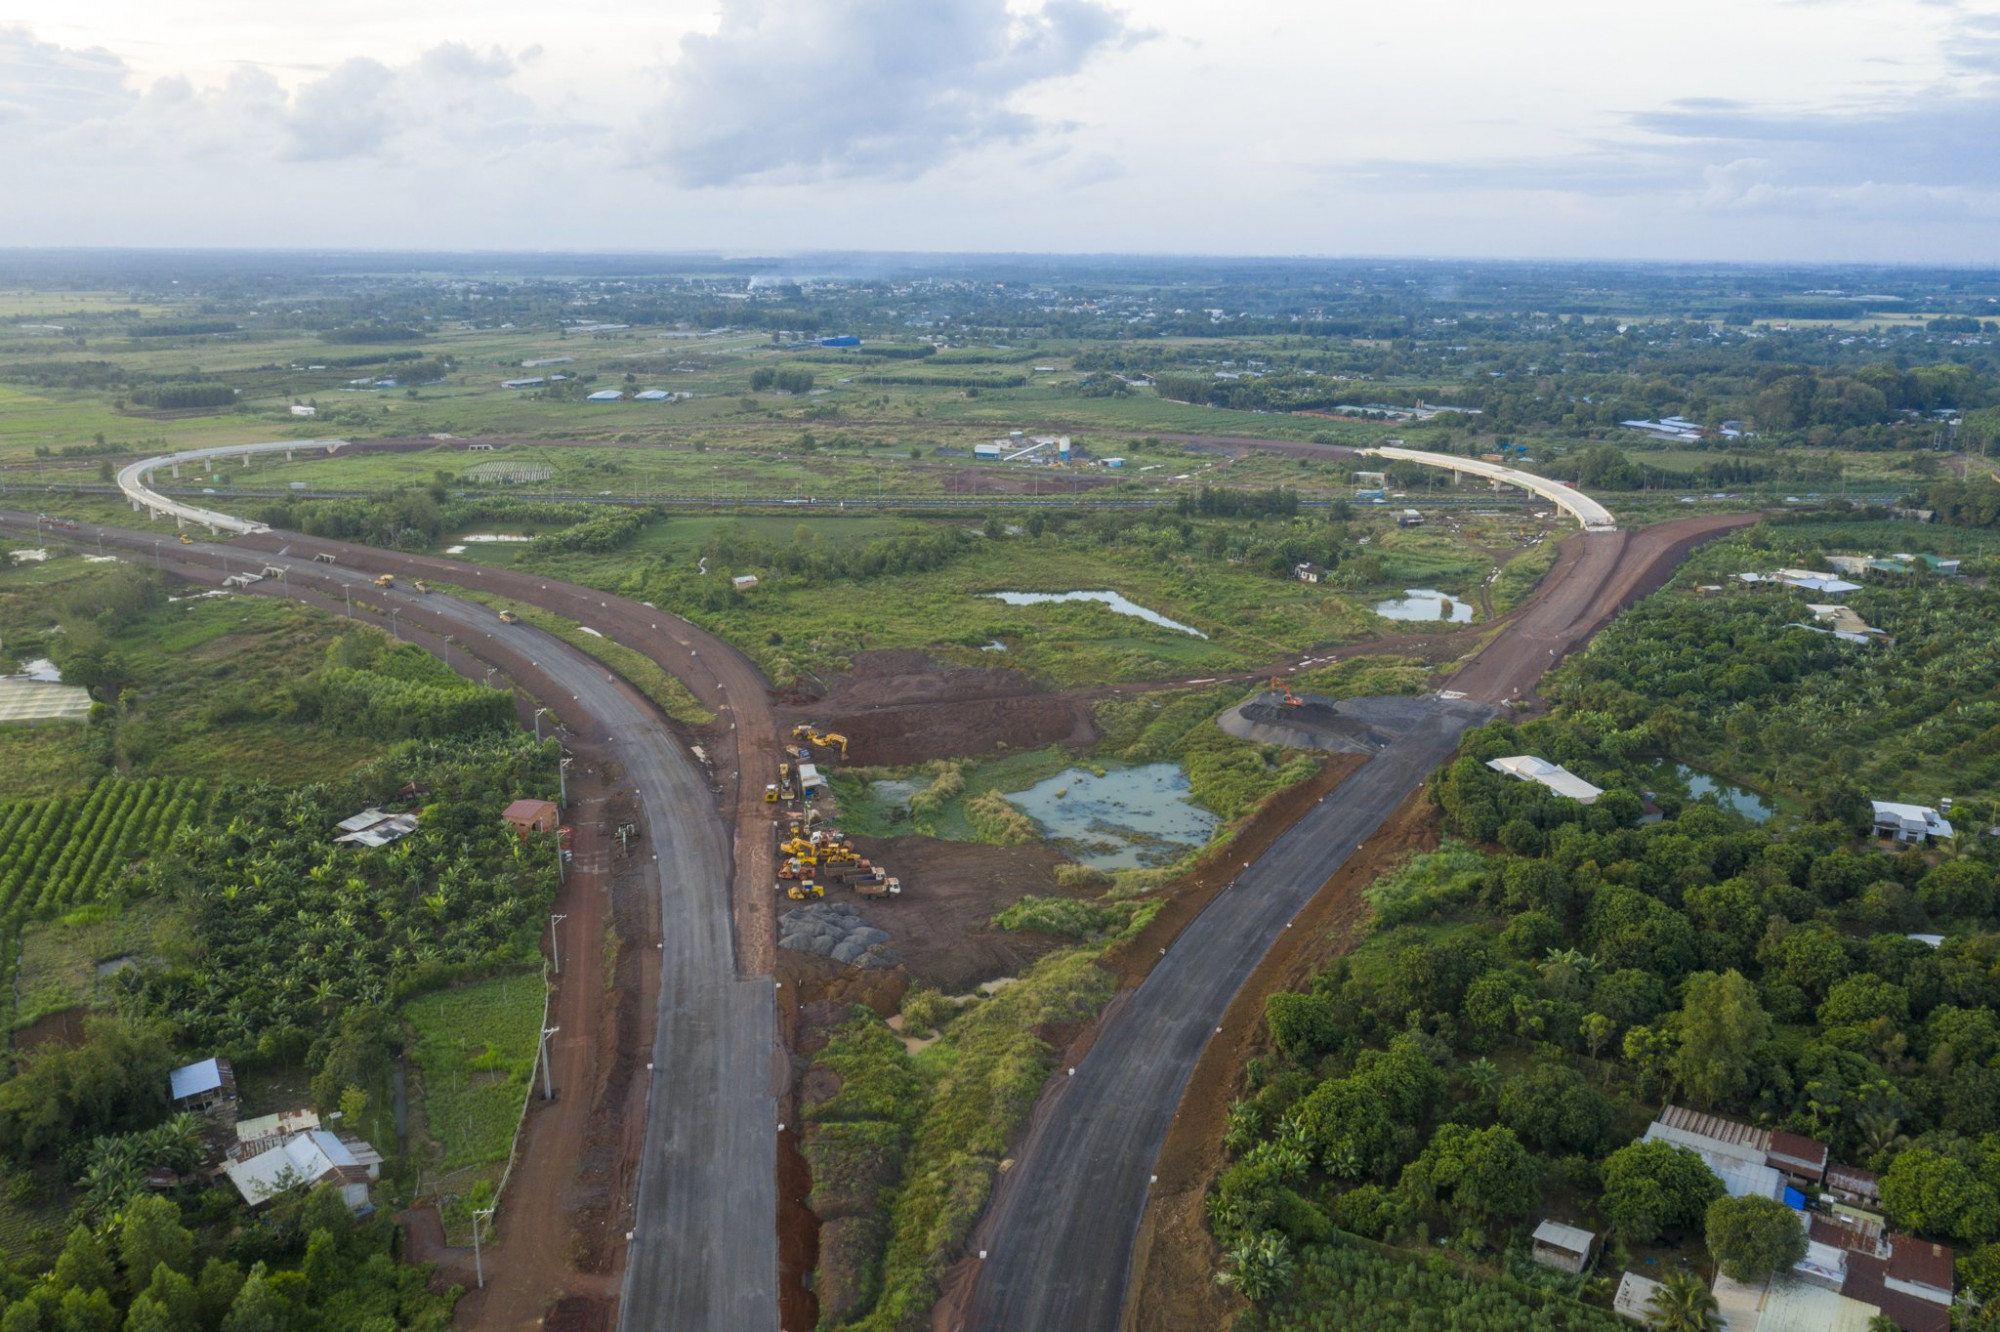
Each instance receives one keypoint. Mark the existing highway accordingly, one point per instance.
(703, 1255)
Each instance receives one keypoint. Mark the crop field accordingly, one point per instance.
(58, 854)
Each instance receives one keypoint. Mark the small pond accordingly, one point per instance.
(894, 793)
(1423, 603)
(1129, 817)
(1739, 798)
(1115, 601)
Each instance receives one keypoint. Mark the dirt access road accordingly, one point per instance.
(1055, 1247)
(704, 1249)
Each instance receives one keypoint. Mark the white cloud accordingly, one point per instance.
(44, 86)
(805, 90)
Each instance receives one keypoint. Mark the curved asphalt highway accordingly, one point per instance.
(1058, 1236)
(704, 1254)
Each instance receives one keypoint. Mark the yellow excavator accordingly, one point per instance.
(821, 739)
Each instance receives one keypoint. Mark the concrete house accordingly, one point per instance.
(532, 816)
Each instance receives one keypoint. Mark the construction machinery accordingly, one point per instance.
(787, 789)
(386, 580)
(795, 869)
(819, 739)
(324, 557)
(805, 890)
(1291, 700)
(186, 540)
(420, 585)
(877, 882)
(508, 617)
(770, 793)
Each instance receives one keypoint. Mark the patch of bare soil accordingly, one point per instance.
(63, 1028)
(1172, 1288)
(898, 707)
(951, 891)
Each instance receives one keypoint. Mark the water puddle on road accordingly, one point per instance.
(1117, 602)
(1125, 819)
(1422, 603)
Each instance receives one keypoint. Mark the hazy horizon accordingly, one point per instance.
(1760, 131)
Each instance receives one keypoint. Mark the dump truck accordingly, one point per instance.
(420, 585)
(386, 580)
(324, 557)
(878, 884)
(508, 617)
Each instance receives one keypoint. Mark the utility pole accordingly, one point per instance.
(478, 1263)
(538, 724)
(548, 1091)
(555, 951)
(394, 611)
(562, 780)
(350, 599)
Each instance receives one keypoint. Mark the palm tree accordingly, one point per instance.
(1684, 1303)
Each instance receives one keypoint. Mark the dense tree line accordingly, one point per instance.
(178, 397)
(783, 379)
(1463, 1070)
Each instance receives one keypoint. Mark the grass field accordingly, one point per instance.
(475, 1048)
(205, 692)
(60, 958)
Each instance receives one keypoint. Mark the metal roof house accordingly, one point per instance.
(652, 395)
(203, 1086)
(1565, 1248)
(606, 395)
(1557, 778)
(1635, 1297)
(266, 1167)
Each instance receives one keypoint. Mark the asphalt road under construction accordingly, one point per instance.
(703, 1255)
(1058, 1237)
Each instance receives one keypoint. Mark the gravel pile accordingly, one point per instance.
(836, 930)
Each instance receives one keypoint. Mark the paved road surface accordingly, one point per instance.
(704, 1251)
(1059, 1242)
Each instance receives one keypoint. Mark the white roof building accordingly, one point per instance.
(1740, 1166)
(652, 395)
(606, 395)
(197, 1079)
(1909, 823)
(1635, 1295)
(265, 1168)
(1557, 778)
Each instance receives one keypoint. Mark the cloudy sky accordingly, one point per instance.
(1704, 129)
